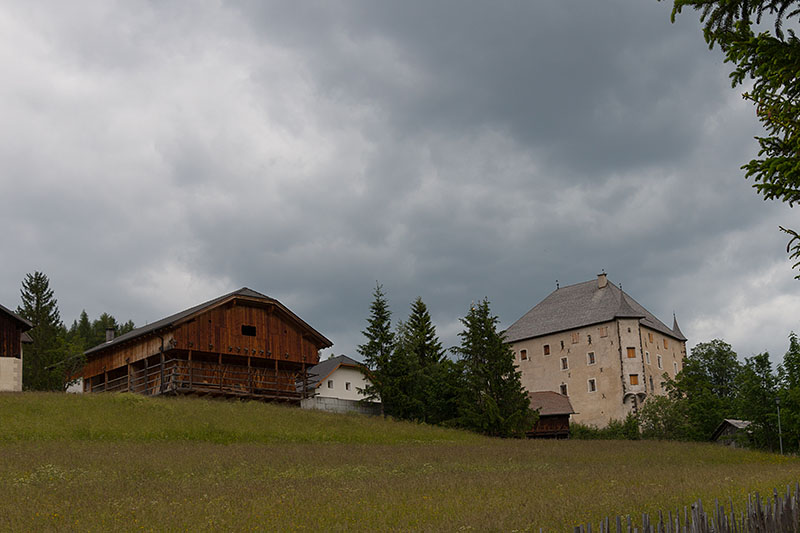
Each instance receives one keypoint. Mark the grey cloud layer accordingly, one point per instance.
(156, 156)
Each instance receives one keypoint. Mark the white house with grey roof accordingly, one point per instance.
(337, 384)
(594, 343)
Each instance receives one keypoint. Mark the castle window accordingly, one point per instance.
(647, 357)
(564, 364)
(590, 358)
(631, 353)
(666, 344)
(603, 331)
(562, 345)
(650, 336)
(675, 367)
(634, 379)
(589, 339)
(592, 385)
(563, 389)
(330, 383)
(546, 349)
(652, 389)
(523, 355)
(249, 331)
(347, 385)
(576, 336)
(658, 358)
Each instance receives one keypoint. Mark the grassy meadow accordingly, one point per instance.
(129, 463)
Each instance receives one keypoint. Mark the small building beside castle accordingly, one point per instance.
(595, 344)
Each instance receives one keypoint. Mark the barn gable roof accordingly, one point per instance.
(173, 320)
(318, 373)
(580, 305)
(26, 324)
(550, 403)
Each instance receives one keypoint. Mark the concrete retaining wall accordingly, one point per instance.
(336, 405)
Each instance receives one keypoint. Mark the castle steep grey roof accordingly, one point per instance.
(580, 305)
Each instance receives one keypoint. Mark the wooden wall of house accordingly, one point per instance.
(220, 331)
(229, 330)
(10, 334)
(116, 356)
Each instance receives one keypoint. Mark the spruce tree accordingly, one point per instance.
(379, 346)
(494, 402)
(43, 360)
(420, 352)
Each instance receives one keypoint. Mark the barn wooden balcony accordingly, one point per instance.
(179, 376)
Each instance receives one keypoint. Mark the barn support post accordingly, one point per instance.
(105, 380)
(161, 369)
(249, 376)
(146, 376)
(128, 365)
(191, 371)
(219, 366)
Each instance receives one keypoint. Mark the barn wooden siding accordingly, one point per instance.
(242, 346)
(10, 335)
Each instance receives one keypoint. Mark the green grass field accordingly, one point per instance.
(128, 463)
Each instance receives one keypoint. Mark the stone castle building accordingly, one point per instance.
(594, 343)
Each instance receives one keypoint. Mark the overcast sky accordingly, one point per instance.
(154, 155)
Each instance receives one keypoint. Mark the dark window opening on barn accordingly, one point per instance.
(249, 331)
(523, 354)
(564, 389)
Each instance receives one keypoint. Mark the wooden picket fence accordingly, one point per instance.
(779, 514)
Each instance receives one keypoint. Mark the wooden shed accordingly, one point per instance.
(242, 344)
(732, 432)
(12, 336)
(554, 412)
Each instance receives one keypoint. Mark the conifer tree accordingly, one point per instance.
(494, 402)
(41, 364)
(769, 58)
(379, 346)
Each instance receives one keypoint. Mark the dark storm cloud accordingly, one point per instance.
(156, 156)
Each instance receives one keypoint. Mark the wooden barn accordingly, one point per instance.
(554, 412)
(12, 335)
(243, 344)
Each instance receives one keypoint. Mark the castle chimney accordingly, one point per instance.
(109, 334)
(602, 281)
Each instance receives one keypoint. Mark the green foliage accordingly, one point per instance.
(494, 402)
(772, 62)
(628, 429)
(789, 394)
(757, 400)
(41, 364)
(665, 418)
(379, 346)
(706, 389)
